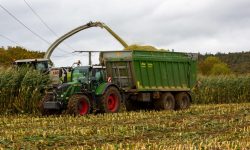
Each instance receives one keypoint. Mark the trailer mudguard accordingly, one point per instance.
(102, 88)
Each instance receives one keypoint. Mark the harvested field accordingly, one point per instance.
(224, 126)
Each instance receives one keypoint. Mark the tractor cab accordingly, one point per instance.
(88, 74)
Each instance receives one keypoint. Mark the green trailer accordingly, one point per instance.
(152, 79)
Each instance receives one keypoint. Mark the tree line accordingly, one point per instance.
(10, 54)
(238, 63)
(209, 64)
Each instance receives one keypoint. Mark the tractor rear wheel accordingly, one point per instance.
(183, 101)
(111, 100)
(165, 102)
(46, 98)
(78, 105)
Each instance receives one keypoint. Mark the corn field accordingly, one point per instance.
(21, 89)
(222, 126)
(222, 89)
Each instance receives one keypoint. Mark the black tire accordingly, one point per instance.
(111, 100)
(78, 105)
(165, 102)
(46, 98)
(183, 101)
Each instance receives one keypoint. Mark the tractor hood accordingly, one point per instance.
(63, 86)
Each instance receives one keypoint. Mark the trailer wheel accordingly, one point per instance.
(78, 105)
(166, 102)
(111, 100)
(46, 98)
(182, 101)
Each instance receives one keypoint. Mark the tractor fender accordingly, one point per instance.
(103, 87)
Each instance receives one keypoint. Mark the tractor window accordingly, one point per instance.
(79, 74)
(98, 75)
(41, 66)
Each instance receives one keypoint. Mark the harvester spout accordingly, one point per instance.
(80, 28)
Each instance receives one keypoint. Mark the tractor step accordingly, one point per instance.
(52, 105)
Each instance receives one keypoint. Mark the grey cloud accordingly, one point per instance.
(187, 25)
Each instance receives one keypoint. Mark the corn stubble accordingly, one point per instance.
(224, 126)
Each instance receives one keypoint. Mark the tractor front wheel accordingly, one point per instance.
(111, 100)
(78, 105)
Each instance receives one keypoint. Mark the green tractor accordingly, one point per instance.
(87, 92)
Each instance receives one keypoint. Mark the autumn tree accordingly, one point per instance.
(10, 54)
(213, 66)
(220, 69)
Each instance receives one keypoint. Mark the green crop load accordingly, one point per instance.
(143, 47)
(222, 89)
(21, 89)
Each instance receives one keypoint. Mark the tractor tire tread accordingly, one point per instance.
(103, 105)
(72, 107)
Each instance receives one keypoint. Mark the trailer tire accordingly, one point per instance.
(111, 100)
(165, 102)
(78, 105)
(46, 98)
(183, 101)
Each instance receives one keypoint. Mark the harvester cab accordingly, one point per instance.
(42, 65)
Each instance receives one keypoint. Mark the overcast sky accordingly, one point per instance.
(183, 25)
